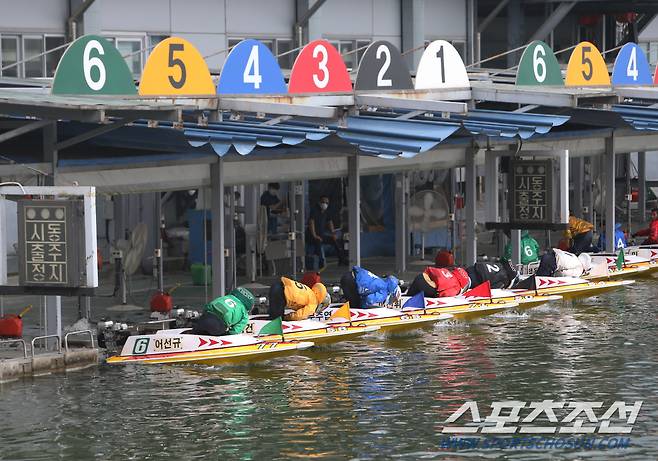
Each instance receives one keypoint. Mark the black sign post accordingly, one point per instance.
(531, 194)
(50, 243)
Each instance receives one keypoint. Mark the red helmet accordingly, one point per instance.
(444, 258)
(311, 278)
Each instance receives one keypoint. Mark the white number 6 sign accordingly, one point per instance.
(89, 63)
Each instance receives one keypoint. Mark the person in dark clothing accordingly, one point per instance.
(500, 275)
(270, 199)
(321, 231)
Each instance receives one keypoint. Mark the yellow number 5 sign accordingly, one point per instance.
(176, 67)
(586, 67)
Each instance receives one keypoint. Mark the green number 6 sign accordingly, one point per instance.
(92, 65)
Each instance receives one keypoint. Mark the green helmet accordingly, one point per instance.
(245, 296)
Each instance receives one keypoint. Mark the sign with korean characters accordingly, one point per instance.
(531, 183)
(441, 66)
(49, 243)
(538, 66)
(382, 68)
(92, 65)
(175, 67)
(251, 68)
(587, 67)
(319, 68)
(631, 67)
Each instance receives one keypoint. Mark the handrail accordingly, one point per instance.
(16, 341)
(78, 332)
(59, 342)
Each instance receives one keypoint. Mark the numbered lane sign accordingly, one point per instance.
(382, 68)
(319, 68)
(175, 66)
(251, 68)
(631, 67)
(92, 65)
(538, 66)
(587, 67)
(441, 66)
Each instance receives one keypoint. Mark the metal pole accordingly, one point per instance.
(642, 185)
(629, 195)
(564, 186)
(230, 227)
(293, 227)
(609, 158)
(577, 176)
(400, 223)
(354, 209)
(470, 203)
(516, 246)
(3, 241)
(217, 233)
(589, 190)
(54, 316)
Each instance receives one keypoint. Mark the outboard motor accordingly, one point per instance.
(112, 336)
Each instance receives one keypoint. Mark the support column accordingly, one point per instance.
(401, 222)
(53, 317)
(354, 209)
(589, 191)
(470, 205)
(564, 185)
(229, 229)
(609, 194)
(3, 242)
(516, 246)
(49, 153)
(515, 20)
(217, 228)
(628, 194)
(292, 231)
(642, 185)
(413, 30)
(250, 212)
(577, 175)
(491, 199)
(300, 221)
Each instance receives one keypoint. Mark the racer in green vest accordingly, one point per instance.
(227, 315)
(529, 249)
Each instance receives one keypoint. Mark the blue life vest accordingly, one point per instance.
(620, 239)
(372, 289)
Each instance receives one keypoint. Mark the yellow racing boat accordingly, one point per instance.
(387, 319)
(459, 307)
(174, 346)
(310, 330)
(570, 287)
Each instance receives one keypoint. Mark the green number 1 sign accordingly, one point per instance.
(92, 65)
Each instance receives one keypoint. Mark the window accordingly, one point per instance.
(52, 58)
(9, 53)
(282, 46)
(361, 46)
(348, 46)
(155, 39)
(33, 57)
(130, 49)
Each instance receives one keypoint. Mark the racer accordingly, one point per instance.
(529, 249)
(650, 232)
(438, 282)
(297, 296)
(558, 263)
(226, 314)
(580, 233)
(363, 289)
(499, 275)
(620, 239)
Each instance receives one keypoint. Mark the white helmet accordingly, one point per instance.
(395, 296)
(324, 303)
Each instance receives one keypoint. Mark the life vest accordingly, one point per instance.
(448, 283)
(373, 290)
(567, 264)
(302, 299)
(499, 275)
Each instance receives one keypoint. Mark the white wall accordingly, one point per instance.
(44, 16)
(445, 19)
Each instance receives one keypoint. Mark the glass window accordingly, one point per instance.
(9, 56)
(233, 41)
(362, 46)
(269, 44)
(350, 59)
(130, 50)
(52, 58)
(33, 47)
(288, 60)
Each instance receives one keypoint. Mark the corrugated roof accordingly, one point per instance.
(639, 117)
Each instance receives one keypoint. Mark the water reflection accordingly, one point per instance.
(374, 398)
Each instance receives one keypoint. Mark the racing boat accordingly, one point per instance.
(459, 307)
(604, 267)
(568, 287)
(524, 300)
(174, 346)
(388, 320)
(649, 255)
(309, 330)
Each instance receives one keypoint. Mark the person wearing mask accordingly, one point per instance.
(226, 315)
(650, 232)
(271, 201)
(363, 289)
(298, 297)
(580, 233)
(529, 249)
(321, 231)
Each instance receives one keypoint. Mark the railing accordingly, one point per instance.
(79, 332)
(10, 341)
(46, 337)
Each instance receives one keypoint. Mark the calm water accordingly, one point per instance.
(369, 399)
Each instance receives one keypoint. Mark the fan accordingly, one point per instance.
(428, 211)
(133, 248)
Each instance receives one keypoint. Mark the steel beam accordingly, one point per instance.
(642, 185)
(413, 104)
(218, 261)
(497, 9)
(250, 212)
(609, 193)
(26, 128)
(92, 134)
(589, 190)
(3, 241)
(516, 246)
(491, 199)
(401, 234)
(470, 199)
(577, 179)
(552, 21)
(229, 229)
(301, 22)
(354, 208)
(413, 30)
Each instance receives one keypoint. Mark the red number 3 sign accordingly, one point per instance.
(319, 69)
